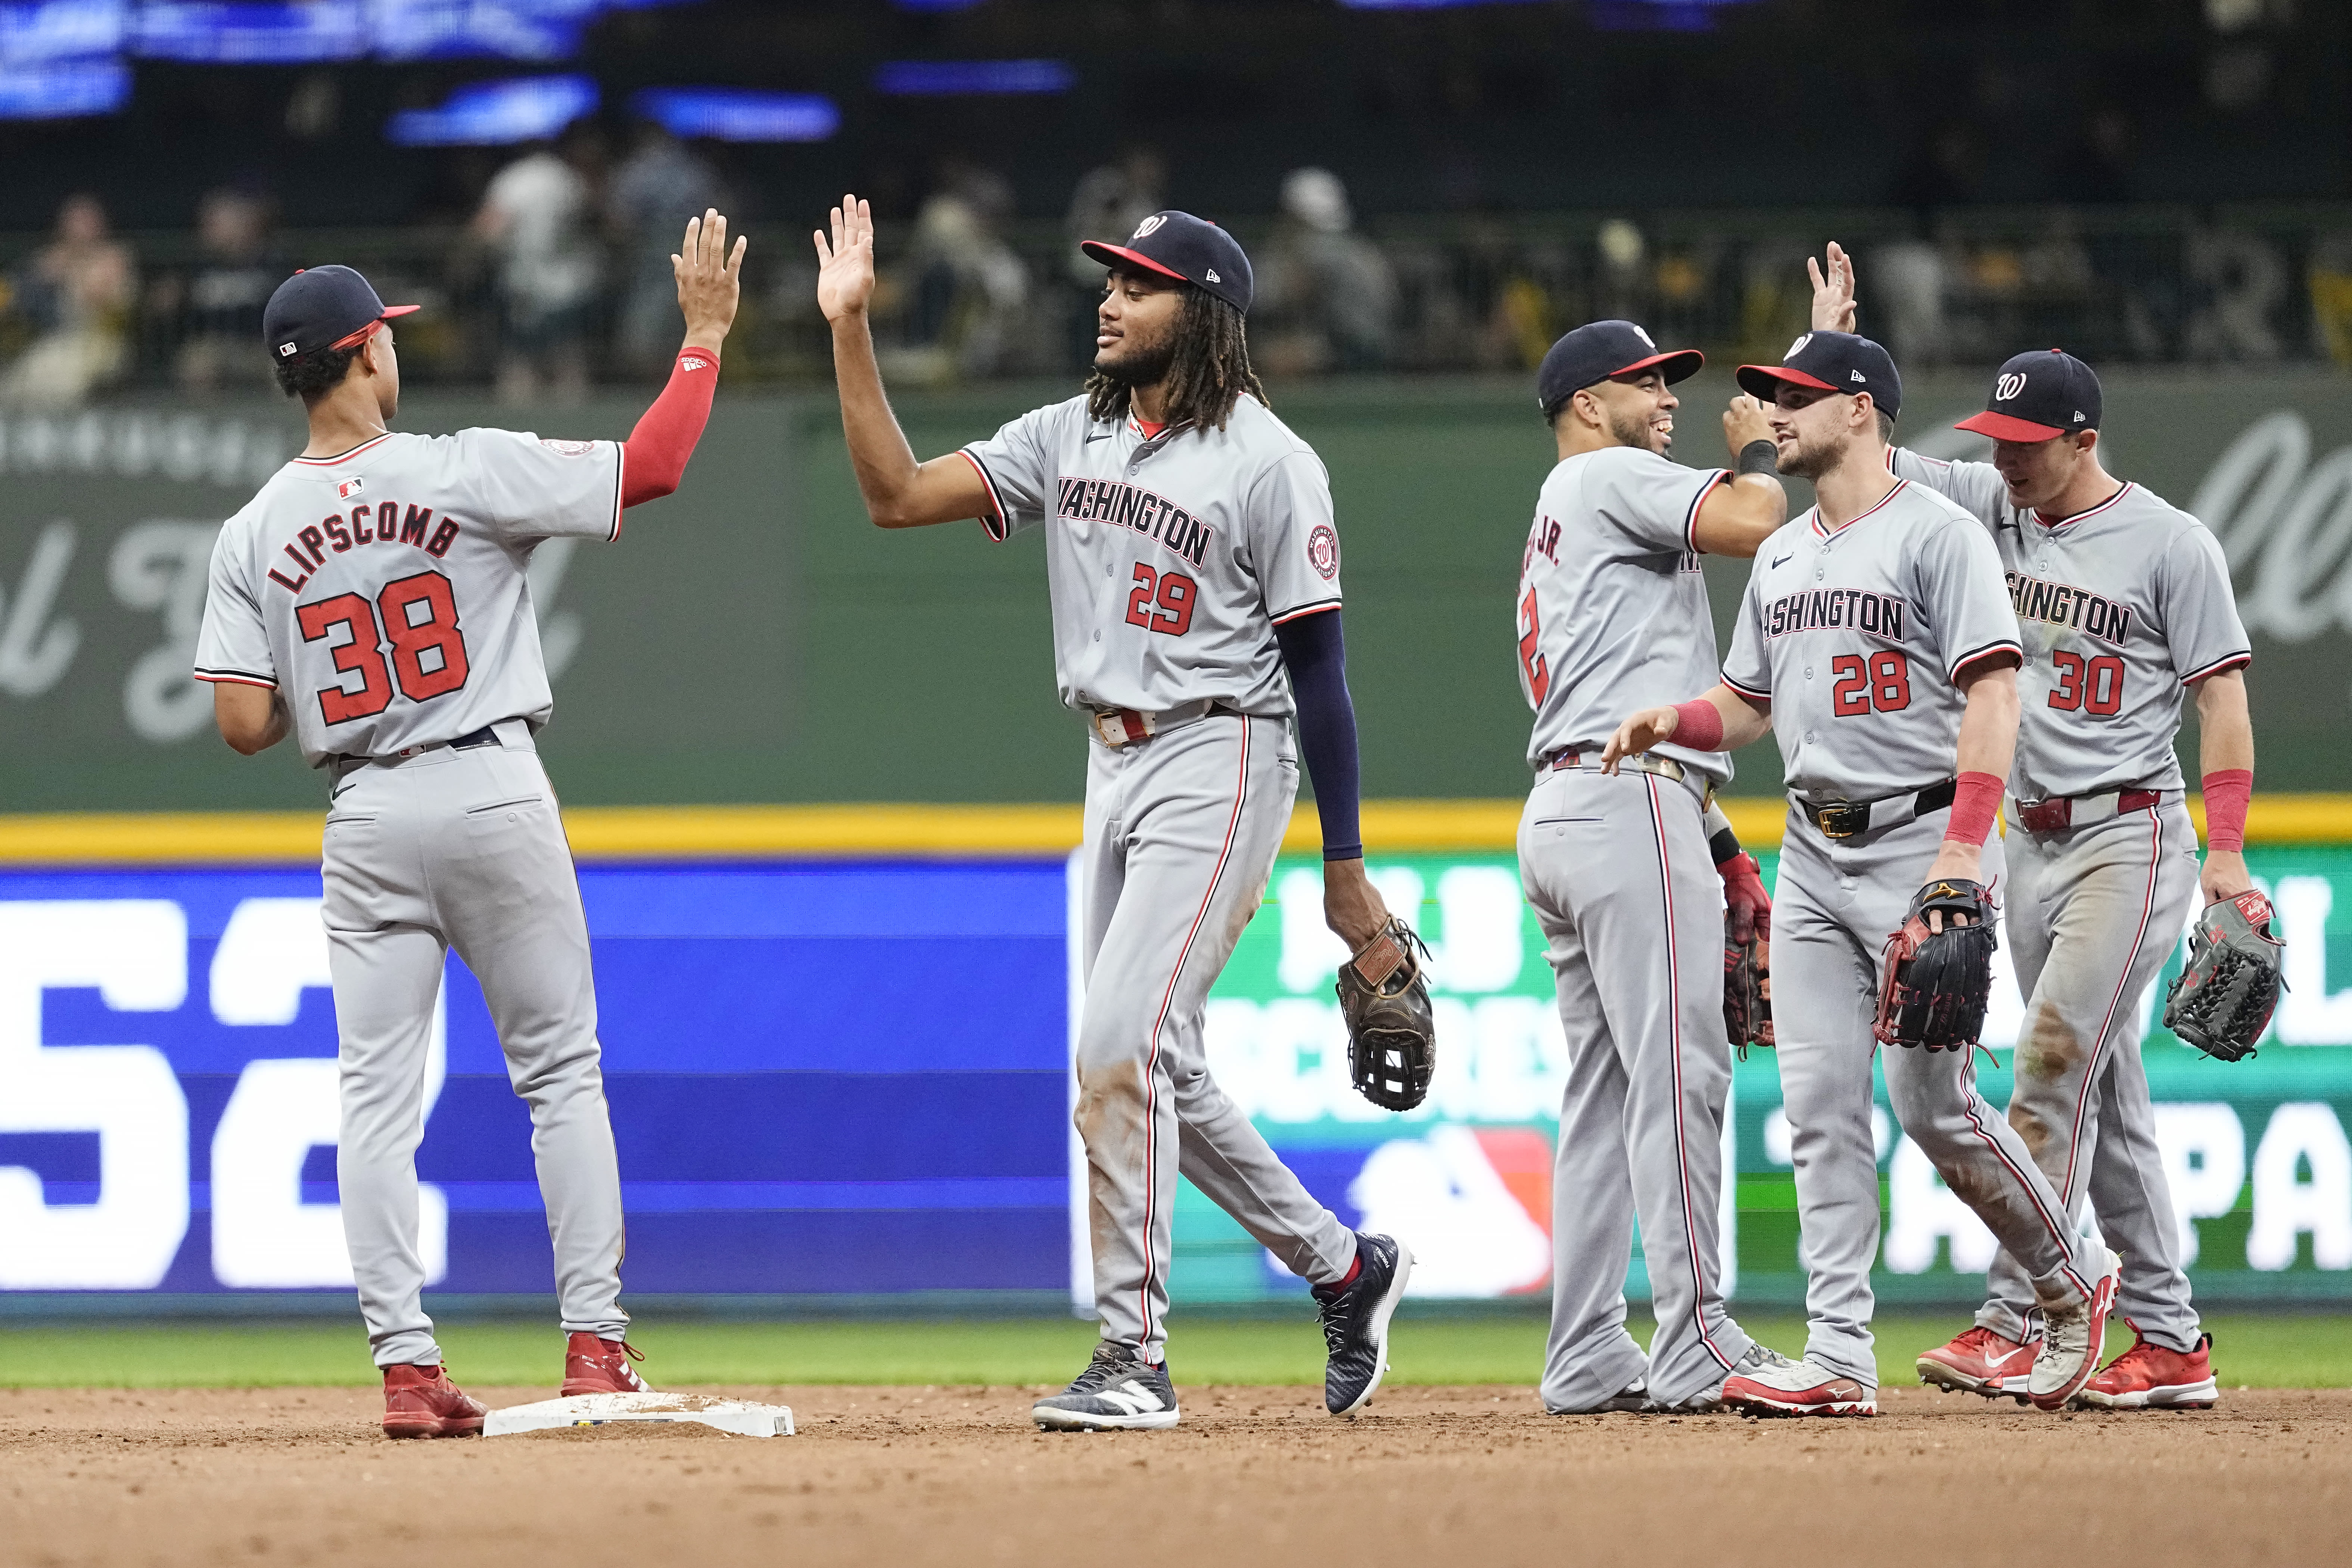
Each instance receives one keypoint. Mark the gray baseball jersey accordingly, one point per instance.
(1613, 612)
(1857, 639)
(384, 591)
(1170, 558)
(2118, 608)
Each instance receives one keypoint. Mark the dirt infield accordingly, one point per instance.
(1476, 1476)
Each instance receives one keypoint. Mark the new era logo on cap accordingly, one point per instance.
(1856, 376)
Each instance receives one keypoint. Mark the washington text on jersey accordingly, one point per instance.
(1131, 506)
(2064, 605)
(1835, 609)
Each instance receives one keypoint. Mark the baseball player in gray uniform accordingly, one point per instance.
(2123, 605)
(371, 600)
(1194, 574)
(1612, 613)
(1877, 641)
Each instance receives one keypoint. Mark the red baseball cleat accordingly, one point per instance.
(2154, 1377)
(1799, 1388)
(1980, 1362)
(421, 1402)
(592, 1365)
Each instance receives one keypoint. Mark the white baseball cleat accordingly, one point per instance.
(2077, 1336)
(1799, 1388)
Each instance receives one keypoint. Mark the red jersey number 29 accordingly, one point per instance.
(417, 616)
(1162, 601)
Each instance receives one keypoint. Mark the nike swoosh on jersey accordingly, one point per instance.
(1092, 439)
(1779, 559)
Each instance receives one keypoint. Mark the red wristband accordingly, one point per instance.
(2227, 794)
(1697, 725)
(1975, 803)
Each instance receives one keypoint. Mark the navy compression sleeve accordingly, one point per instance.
(1316, 655)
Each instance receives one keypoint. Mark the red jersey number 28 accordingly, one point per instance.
(417, 616)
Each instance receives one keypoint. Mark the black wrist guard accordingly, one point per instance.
(1760, 458)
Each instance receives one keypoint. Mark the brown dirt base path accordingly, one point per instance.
(1459, 1478)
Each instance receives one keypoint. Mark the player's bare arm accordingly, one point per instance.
(899, 492)
(1834, 306)
(2225, 743)
(1988, 745)
(1743, 722)
(251, 719)
(1737, 517)
(1352, 907)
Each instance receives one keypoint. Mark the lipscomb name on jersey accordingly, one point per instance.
(380, 523)
(1131, 506)
(2064, 605)
(1836, 609)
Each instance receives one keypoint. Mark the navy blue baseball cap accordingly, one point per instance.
(1602, 350)
(1189, 249)
(1832, 362)
(322, 308)
(2039, 397)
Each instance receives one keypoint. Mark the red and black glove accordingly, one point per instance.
(1746, 952)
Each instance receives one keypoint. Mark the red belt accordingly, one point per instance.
(2057, 815)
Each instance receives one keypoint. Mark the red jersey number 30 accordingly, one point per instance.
(417, 617)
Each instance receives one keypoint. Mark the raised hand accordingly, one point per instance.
(709, 279)
(1743, 422)
(844, 278)
(1833, 302)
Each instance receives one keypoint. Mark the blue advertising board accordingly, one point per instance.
(824, 1079)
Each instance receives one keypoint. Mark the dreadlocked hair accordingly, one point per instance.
(1207, 375)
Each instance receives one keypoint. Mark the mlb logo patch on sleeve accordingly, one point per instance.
(569, 448)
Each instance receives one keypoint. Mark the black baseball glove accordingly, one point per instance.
(1391, 1031)
(2222, 1001)
(1937, 982)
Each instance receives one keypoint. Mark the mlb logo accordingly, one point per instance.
(350, 488)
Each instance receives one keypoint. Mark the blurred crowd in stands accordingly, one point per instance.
(560, 280)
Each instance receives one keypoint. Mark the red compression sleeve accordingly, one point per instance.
(653, 461)
(1697, 725)
(2226, 794)
(1974, 805)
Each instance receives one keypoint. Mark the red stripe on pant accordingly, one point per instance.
(1151, 1059)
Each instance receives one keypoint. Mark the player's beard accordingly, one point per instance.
(1144, 366)
(1639, 430)
(1811, 462)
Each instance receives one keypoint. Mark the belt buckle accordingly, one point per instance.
(1842, 818)
(2046, 816)
(1123, 726)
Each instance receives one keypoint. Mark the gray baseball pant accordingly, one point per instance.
(1838, 901)
(464, 849)
(1181, 831)
(2093, 913)
(1618, 871)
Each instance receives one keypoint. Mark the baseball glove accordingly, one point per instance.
(1937, 982)
(1747, 955)
(1391, 1032)
(2222, 1001)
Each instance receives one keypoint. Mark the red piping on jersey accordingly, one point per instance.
(1675, 1050)
(345, 457)
(999, 527)
(1977, 656)
(1690, 522)
(1890, 494)
(237, 680)
(2094, 512)
(1316, 608)
(1746, 691)
(2226, 662)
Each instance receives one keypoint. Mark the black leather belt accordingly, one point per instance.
(1846, 818)
(488, 736)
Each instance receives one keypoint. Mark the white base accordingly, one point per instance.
(737, 1416)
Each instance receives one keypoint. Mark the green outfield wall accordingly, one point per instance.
(754, 639)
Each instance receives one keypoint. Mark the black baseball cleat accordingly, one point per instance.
(1356, 1322)
(1118, 1391)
